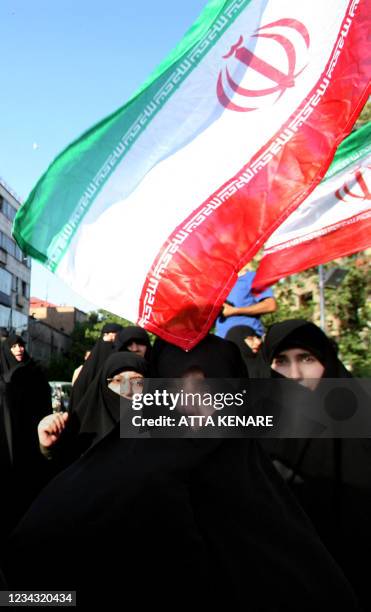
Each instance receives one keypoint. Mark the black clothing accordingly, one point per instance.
(254, 362)
(159, 519)
(133, 333)
(98, 356)
(330, 477)
(216, 357)
(299, 333)
(111, 327)
(190, 520)
(25, 398)
(101, 352)
(98, 411)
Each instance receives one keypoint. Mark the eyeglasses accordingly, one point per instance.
(133, 382)
(128, 383)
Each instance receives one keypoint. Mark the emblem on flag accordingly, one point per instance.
(360, 187)
(281, 75)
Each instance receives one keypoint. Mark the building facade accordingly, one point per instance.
(50, 328)
(15, 269)
(45, 342)
(60, 318)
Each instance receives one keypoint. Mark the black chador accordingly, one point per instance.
(25, 398)
(99, 354)
(98, 411)
(130, 334)
(331, 477)
(162, 521)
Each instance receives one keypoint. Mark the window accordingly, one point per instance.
(9, 245)
(25, 289)
(7, 209)
(14, 282)
(5, 282)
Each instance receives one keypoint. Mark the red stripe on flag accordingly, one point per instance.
(198, 265)
(348, 239)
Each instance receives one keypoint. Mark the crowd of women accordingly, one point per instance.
(265, 526)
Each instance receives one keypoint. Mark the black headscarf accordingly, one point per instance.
(216, 357)
(25, 398)
(111, 327)
(101, 352)
(254, 362)
(98, 356)
(99, 410)
(308, 457)
(133, 333)
(218, 506)
(7, 360)
(299, 333)
(331, 477)
(26, 395)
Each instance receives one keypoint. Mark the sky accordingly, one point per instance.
(66, 64)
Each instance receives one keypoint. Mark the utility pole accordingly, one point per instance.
(321, 282)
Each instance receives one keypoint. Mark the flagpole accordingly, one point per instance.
(321, 282)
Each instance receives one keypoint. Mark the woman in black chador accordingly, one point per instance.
(64, 437)
(114, 338)
(330, 476)
(134, 339)
(103, 348)
(177, 521)
(25, 398)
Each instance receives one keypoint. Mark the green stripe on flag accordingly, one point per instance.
(356, 146)
(45, 225)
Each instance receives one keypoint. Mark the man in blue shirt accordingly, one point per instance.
(244, 308)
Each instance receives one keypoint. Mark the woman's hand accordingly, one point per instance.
(51, 427)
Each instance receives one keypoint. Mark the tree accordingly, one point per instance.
(83, 339)
(365, 115)
(351, 306)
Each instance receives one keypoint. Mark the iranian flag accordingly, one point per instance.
(151, 213)
(334, 221)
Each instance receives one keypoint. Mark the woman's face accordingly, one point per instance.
(299, 364)
(254, 343)
(137, 347)
(126, 383)
(17, 351)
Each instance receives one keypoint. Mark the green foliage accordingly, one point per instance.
(96, 321)
(60, 368)
(350, 305)
(286, 294)
(355, 347)
(85, 334)
(365, 115)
